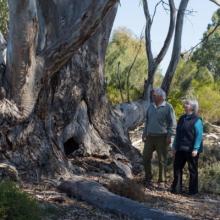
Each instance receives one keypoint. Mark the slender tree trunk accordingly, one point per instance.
(153, 63)
(176, 47)
(217, 2)
(149, 82)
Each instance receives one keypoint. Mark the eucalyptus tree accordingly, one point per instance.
(208, 52)
(52, 94)
(52, 87)
(175, 30)
(53, 101)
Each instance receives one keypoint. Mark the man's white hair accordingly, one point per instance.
(194, 103)
(160, 92)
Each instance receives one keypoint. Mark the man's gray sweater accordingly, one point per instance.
(160, 120)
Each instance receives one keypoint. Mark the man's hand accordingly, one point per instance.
(194, 153)
(174, 152)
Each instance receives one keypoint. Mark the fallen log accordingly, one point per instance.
(98, 196)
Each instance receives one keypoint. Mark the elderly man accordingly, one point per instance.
(160, 126)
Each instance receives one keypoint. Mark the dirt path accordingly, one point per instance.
(201, 206)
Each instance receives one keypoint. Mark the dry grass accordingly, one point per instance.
(128, 188)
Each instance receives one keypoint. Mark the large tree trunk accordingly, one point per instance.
(55, 102)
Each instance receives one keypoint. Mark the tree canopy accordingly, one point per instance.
(126, 66)
(122, 70)
(208, 54)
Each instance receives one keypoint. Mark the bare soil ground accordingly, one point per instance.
(60, 207)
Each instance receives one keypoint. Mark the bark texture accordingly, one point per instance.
(54, 104)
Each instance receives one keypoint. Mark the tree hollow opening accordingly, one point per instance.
(70, 146)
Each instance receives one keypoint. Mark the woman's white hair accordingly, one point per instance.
(160, 92)
(194, 103)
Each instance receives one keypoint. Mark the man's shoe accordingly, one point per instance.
(192, 193)
(149, 185)
(173, 191)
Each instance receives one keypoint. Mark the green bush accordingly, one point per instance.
(209, 178)
(114, 95)
(17, 205)
(4, 17)
(176, 100)
(209, 101)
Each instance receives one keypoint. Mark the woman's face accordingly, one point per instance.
(188, 107)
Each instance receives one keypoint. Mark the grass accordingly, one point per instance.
(128, 188)
(17, 205)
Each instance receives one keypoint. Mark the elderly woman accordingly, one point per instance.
(187, 146)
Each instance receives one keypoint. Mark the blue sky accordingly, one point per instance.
(130, 14)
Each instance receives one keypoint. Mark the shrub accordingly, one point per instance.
(210, 178)
(15, 204)
(114, 95)
(209, 101)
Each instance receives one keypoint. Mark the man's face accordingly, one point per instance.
(156, 98)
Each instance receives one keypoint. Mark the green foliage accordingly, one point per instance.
(209, 99)
(120, 56)
(181, 86)
(175, 100)
(184, 74)
(115, 97)
(17, 205)
(210, 178)
(209, 167)
(191, 81)
(121, 52)
(4, 16)
(208, 54)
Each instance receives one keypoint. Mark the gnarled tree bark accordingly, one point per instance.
(55, 101)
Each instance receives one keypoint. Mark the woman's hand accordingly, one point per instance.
(194, 153)
(168, 140)
(144, 138)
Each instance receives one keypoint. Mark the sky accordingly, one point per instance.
(130, 14)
